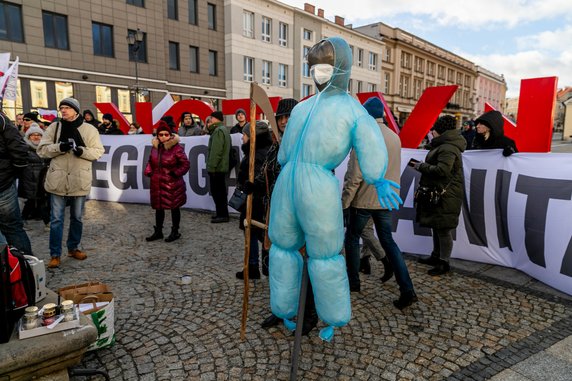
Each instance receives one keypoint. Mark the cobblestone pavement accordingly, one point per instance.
(466, 325)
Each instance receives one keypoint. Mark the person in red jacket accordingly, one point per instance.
(167, 165)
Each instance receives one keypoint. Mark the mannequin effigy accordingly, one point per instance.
(306, 202)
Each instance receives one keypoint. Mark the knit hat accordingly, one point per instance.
(285, 107)
(445, 123)
(32, 115)
(71, 102)
(218, 114)
(239, 111)
(374, 107)
(260, 128)
(163, 126)
(492, 119)
(107, 117)
(34, 129)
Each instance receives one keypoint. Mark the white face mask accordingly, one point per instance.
(321, 73)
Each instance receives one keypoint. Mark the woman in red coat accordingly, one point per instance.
(166, 167)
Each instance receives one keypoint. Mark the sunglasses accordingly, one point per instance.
(164, 134)
(27, 120)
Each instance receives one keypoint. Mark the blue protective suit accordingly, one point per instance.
(306, 202)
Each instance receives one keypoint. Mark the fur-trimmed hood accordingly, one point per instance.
(168, 144)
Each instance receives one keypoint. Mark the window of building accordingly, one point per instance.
(137, 3)
(211, 12)
(307, 35)
(193, 59)
(418, 87)
(429, 84)
(387, 54)
(55, 30)
(174, 55)
(248, 69)
(283, 34)
(124, 103)
(248, 24)
(450, 75)
(459, 78)
(266, 29)
(467, 81)
(11, 108)
(359, 87)
(404, 86)
(419, 64)
(63, 90)
(172, 9)
(11, 27)
(441, 72)
(386, 82)
(213, 63)
(360, 57)
(39, 94)
(102, 39)
(372, 61)
(305, 64)
(350, 85)
(431, 68)
(282, 75)
(193, 12)
(267, 72)
(138, 51)
(371, 87)
(306, 90)
(406, 60)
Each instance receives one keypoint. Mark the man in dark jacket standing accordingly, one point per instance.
(13, 158)
(217, 165)
(240, 116)
(490, 134)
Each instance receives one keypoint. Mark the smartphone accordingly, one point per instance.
(72, 142)
(412, 162)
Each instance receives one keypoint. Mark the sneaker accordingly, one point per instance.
(54, 262)
(218, 220)
(253, 273)
(77, 254)
(271, 321)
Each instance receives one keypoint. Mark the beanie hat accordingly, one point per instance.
(31, 115)
(34, 129)
(374, 107)
(445, 123)
(260, 128)
(163, 126)
(107, 117)
(285, 107)
(71, 102)
(218, 114)
(239, 111)
(493, 120)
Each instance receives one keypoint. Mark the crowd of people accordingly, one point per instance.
(49, 168)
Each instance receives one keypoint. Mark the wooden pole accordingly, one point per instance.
(247, 228)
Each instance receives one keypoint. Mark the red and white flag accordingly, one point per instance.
(9, 82)
(4, 63)
(48, 115)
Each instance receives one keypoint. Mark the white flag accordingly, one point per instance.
(4, 63)
(11, 86)
(162, 107)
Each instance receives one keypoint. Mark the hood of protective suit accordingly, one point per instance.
(342, 65)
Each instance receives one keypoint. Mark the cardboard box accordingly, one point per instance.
(61, 326)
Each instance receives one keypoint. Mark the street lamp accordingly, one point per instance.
(134, 39)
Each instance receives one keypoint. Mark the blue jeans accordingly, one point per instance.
(11, 224)
(382, 222)
(57, 223)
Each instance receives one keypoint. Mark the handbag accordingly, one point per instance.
(238, 200)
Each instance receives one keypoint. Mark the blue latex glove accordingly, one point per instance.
(388, 198)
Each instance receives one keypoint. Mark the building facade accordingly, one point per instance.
(80, 49)
(411, 64)
(490, 88)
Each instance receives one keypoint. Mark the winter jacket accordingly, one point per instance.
(218, 149)
(68, 174)
(237, 128)
(31, 175)
(497, 139)
(263, 144)
(167, 165)
(443, 169)
(192, 130)
(113, 130)
(13, 153)
(359, 194)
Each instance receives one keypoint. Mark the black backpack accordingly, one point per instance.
(16, 295)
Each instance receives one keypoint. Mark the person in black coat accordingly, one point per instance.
(90, 118)
(490, 134)
(263, 143)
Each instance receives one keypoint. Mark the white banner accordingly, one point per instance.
(517, 211)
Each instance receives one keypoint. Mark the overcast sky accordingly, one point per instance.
(518, 38)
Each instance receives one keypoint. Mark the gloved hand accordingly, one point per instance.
(417, 165)
(78, 151)
(346, 213)
(388, 198)
(248, 187)
(507, 151)
(65, 146)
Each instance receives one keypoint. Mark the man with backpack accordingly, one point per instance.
(13, 158)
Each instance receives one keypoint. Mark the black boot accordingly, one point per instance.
(432, 260)
(158, 234)
(174, 235)
(387, 270)
(265, 261)
(405, 300)
(441, 268)
(309, 323)
(364, 265)
(253, 273)
(271, 321)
